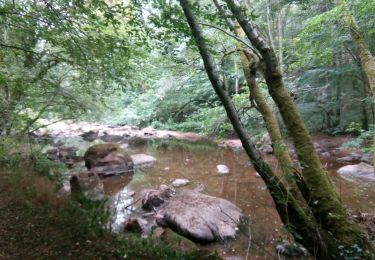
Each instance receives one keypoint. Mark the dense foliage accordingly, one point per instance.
(106, 60)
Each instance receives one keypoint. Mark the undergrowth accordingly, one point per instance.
(80, 221)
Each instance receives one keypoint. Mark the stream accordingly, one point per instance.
(196, 161)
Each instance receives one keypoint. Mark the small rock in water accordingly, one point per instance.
(200, 188)
(367, 158)
(188, 161)
(267, 148)
(222, 169)
(90, 135)
(325, 154)
(142, 160)
(87, 184)
(180, 182)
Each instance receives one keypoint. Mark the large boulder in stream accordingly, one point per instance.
(108, 159)
(361, 171)
(199, 217)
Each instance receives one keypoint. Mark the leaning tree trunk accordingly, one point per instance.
(363, 53)
(250, 63)
(304, 229)
(324, 201)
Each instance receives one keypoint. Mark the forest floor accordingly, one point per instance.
(34, 224)
(28, 232)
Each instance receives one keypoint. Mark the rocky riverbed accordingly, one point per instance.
(187, 161)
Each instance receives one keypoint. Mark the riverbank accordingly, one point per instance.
(35, 224)
(178, 156)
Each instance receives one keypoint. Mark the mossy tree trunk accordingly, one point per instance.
(323, 201)
(364, 55)
(250, 63)
(304, 229)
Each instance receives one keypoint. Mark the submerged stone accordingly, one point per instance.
(87, 184)
(291, 249)
(180, 182)
(222, 169)
(142, 160)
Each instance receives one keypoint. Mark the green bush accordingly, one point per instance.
(51, 169)
(12, 152)
(363, 140)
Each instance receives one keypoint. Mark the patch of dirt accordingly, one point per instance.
(330, 142)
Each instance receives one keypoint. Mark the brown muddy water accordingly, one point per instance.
(197, 163)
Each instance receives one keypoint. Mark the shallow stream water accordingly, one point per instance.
(197, 163)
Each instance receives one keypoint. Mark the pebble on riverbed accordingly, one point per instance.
(180, 182)
(222, 169)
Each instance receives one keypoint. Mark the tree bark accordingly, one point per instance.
(250, 63)
(269, 25)
(324, 201)
(304, 229)
(280, 35)
(364, 55)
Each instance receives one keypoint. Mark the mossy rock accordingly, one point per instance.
(108, 154)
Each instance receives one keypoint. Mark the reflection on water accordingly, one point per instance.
(121, 199)
(122, 207)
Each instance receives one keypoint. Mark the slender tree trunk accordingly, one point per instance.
(363, 53)
(280, 35)
(236, 82)
(324, 201)
(269, 25)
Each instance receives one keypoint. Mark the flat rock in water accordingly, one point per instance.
(200, 217)
(361, 171)
(180, 182)
(222, 169)
(142, 160)
(349, 159)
